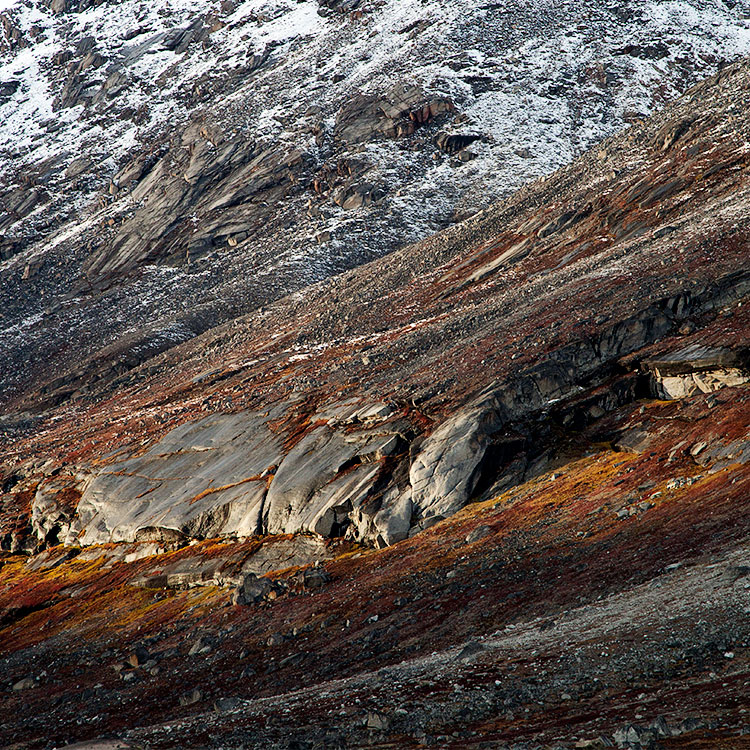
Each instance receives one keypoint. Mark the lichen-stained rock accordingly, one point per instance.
(321, 480)
(721, 455)
(51, 558)
(212, 477)
(239, 559)
(53, 509)
(203, 479)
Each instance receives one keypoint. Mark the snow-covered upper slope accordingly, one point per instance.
(86, 86)
(540, 81)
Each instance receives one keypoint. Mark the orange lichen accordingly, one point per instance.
(214, 490)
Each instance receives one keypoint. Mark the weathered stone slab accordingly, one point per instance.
(695, 358)
(697, 369)
(203, 479)
(445, 473)
(320, 480)
(278, 554)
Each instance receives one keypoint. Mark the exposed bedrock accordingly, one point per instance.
(234, 183)
(698, 369)
(205, 478)
(374, 405)
(322, 479)
(371, 472)
(232, 180)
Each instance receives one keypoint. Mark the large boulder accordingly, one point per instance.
(252, 590)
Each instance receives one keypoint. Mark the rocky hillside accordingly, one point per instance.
(167, 166)
(489, 490)
(379, 402)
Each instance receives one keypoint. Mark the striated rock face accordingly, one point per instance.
(395, 115)
(317, 482)
(203, 479)
(53, 510)
(198, 175)
(445, 472)
(349, 472)
(230, 475)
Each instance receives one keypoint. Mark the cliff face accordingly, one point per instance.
(489, 488)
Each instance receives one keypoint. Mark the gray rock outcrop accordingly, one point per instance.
(697, 369)
(320, 481)
(251, 590)
(445, 472)
(203, 479)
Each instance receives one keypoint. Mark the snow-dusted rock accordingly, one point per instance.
(240, 152)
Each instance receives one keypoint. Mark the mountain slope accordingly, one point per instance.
(490, 490)
(420, 378)
(167, 167)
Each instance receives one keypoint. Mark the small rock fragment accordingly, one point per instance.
(25, 684)
(316, 578)
(697, 448)
(138, 657)
(227, 704)
(377, 721)
(251, 590)
(660, 726)
(190, 697)
(471, 649)
(479, 533)
(201, 646)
